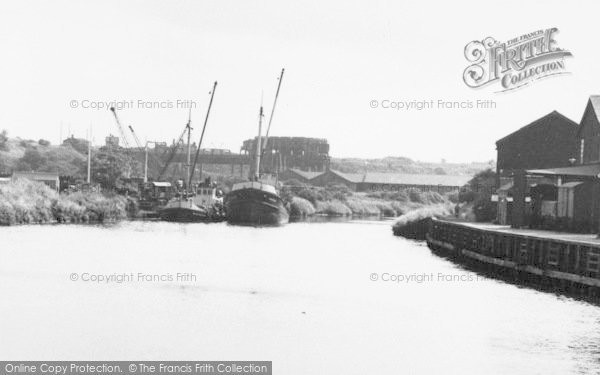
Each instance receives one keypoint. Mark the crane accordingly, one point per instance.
(172, 153)
(121, 130)
(139, 145)
(135, 137)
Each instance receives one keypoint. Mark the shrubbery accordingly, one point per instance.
(339, 200)
(300, 207)
(27, 202)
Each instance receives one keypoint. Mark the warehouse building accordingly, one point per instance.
(372, 182)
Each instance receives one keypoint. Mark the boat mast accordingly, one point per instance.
(189, 148)
(258, 145)
(212, 95)
(273, 110)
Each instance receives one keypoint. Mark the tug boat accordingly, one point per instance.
(206, 205)
(195, 203)
(183, 210)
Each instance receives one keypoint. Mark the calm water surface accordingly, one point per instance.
(299, 295)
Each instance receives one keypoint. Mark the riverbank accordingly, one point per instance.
(27, 202)
(338, 200)
(563, 263)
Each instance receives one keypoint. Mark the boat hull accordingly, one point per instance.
(184, 215)
(255, 207)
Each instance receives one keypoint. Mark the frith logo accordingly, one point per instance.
(514, 63)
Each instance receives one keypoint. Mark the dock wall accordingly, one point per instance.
(568, 267)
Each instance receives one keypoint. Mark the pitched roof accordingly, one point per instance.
(550, 115)
(305, 174)
(594, 103)
(351, 177)
(595, 100)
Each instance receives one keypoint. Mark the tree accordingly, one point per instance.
(78, 144)
(4, 140)
(479, 191)
(31, 161)
(110, 166)
(44, 142)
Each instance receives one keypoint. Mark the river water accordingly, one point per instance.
(303, 295)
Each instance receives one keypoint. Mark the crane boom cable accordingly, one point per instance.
(120, 126)
(172, 153)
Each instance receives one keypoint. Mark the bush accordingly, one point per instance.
(100, 208)
(301, 207)
(333, 208)
(65, 210)
(7, 213)
(25, 201)
(3, 141)
(43, 142)
(423, 213)
(362, 207)
(338, 191)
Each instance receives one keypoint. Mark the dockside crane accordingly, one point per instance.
(145, 148)
(121, 130)
(172, 153)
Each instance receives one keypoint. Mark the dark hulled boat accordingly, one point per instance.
(184, 210)
(199, 203)
(255, 203)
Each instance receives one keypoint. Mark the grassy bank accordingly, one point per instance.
(338, 200)
(26, 202)
(414, 224)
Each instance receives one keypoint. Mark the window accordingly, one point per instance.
(581, 150)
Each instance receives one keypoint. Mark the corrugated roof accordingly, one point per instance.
(589, 170)
(405, 179)
(416, 179)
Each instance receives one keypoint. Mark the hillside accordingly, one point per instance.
(30, 155)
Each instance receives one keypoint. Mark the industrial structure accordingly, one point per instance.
(281, 153)
(549, 173)
(384, 182)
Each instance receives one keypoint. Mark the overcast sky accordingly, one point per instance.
(338, 57)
